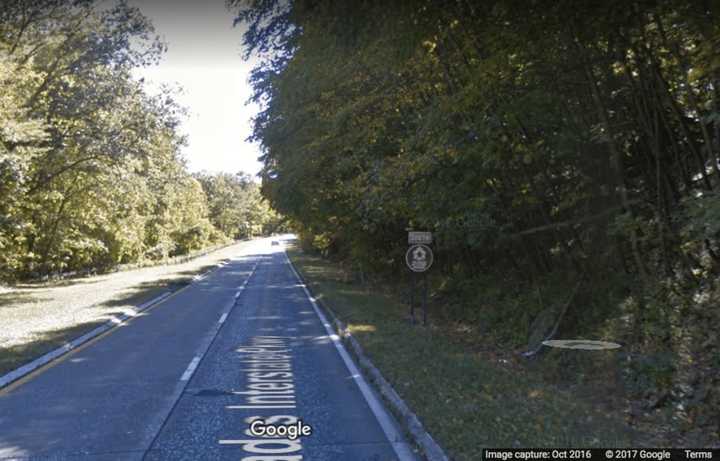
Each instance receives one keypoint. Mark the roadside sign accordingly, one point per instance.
(419, 258)
(424, 238)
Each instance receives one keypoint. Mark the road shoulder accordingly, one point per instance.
(410, 423)
(466, 398)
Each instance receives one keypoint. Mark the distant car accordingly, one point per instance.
(274, 242)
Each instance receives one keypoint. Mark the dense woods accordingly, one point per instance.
(90, 168)
(563, 153)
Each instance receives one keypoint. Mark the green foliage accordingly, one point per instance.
(91, 174)
(524, 138)
(703, 217)
(236, 207)
(538, 140)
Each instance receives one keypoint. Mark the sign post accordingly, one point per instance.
(419, 258)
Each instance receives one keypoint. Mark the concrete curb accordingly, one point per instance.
(431, 450)
(410, 422)
(24, 370)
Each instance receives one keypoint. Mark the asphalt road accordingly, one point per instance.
(183, 381)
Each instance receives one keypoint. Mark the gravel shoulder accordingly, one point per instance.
(35, 319)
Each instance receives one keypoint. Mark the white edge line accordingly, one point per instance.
(191, 368)
(223, 318)
(382, 416)
(28, 368)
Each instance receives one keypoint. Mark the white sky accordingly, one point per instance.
(204, 58)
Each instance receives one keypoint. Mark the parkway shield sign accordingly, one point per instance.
(419, 258)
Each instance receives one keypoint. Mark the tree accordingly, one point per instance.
(539, 141)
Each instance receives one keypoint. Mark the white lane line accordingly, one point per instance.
(196, 360)
(190, 369)
(244, 284)
(381, 415)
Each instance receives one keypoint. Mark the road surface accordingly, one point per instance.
(184, 380)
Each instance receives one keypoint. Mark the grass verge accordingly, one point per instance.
(466, 400)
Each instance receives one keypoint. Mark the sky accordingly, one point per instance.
(204, 58)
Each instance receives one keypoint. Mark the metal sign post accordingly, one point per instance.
(419, 258)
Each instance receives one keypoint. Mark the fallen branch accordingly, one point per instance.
(573, 222)
(557, 322)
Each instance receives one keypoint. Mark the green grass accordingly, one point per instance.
(465, 398)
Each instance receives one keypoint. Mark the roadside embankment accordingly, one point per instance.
(465, 399)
